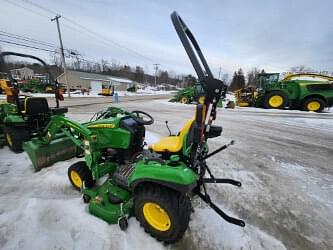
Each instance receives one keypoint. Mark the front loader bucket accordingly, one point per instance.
(41, 155)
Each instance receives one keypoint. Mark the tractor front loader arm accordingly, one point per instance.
(72, 129)
(60, 140)
(80, 135)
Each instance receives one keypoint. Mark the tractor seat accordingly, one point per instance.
(172, 144)
(35, 106)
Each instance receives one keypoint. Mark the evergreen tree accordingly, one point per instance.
(238, 80)
(233, 84)
(241, 79)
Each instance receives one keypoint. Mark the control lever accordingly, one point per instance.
(166, 124)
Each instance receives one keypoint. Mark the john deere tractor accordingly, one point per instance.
(156, 185)
(190, 94)
(313, 94)
(24, 118)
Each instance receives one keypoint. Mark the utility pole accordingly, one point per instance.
(62, 54)
(156, 68)
(220, 73)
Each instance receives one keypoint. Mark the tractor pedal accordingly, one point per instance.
(121, 175)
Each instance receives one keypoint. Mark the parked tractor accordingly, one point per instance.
(107, 90)
(26, 117)
(190, 94)
(156, 185)
(313, 94)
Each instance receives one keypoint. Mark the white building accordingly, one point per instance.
(22, 74)
(79, 80)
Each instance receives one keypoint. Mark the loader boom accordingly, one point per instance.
(67, 126)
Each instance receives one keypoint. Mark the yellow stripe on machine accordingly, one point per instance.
(102, 126)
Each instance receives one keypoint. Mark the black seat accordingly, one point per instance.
(36, 106)
(36, 113)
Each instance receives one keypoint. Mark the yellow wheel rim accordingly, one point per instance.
(184, 99)
(313, 106)
(156, 216)
(275, 101)
(9, 139)
(201, 100)
(76, 179)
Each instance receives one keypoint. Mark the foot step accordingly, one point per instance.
(121, 175)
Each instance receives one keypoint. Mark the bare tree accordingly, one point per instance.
(301, 69)
(252, 77)
(104, 65)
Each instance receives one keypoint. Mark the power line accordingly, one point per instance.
(101, 37)
(28, 46)
(32, 40)
(40, 7)
(30, 10)
(10, 35)
(97, 35)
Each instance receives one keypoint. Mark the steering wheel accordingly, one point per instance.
(136, 116)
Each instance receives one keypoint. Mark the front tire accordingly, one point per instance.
(79, 173)
(276, 100)
(15, 138)
(162, 212)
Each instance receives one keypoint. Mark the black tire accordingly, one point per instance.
(79, 173)
(174, 204)
(270, 95)
(15, 136)
(320, 101)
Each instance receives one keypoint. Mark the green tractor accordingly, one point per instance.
(156, 185)
(27, 117)
(307, 95)
(191, 94)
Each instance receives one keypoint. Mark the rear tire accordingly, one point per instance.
(276, 100)
(79, 173)
(313, 104)
(162, 212)
(15, 137)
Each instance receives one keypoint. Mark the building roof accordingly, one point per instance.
(21, 69)
(96, 77)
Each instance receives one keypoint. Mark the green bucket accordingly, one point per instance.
(59, 149)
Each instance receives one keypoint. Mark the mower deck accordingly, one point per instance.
(109, 202)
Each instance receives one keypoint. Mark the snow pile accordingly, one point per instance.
(41, 210)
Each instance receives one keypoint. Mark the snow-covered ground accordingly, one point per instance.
(284, 160)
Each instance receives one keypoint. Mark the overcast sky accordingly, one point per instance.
(274, 35)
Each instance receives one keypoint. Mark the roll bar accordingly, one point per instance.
(186, 37)
(212, 86)
(10, 77)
